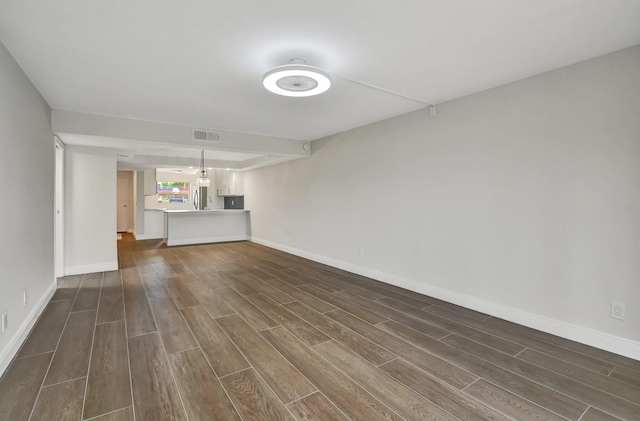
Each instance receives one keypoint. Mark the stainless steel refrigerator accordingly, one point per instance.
(200, 198)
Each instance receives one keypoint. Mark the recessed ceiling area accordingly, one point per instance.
(138, 155)
(201, 63)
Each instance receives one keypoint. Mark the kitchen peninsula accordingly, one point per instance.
(183, 227)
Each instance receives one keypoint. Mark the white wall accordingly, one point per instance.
(27, 171)
(138, 203)
(90, 220)
(521, 201)
(153, 225)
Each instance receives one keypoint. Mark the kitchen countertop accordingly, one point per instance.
(192, 211)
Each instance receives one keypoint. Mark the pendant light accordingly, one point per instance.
(202, 181)
(296, 79)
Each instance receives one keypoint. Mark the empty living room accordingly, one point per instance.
(293, 210)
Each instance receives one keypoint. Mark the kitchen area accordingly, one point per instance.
(103, 153)
(187, 206)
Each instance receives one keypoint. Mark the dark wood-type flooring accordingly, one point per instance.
(238, 331)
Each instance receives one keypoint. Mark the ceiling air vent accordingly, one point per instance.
(206, 136)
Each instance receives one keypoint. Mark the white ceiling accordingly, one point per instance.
(200, 62)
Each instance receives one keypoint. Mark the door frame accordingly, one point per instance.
(59, 207)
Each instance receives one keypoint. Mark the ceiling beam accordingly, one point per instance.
(175, 135)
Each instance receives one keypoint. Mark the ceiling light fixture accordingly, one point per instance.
(296, 79)
(202, 181)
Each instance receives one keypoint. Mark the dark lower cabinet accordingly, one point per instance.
(234, 202)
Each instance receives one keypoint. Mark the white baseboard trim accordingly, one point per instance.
(146, 237)
(584, 335)
(205, 240)
(14, 344)
(98, 267)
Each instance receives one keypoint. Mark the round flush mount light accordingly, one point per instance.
(296, 80)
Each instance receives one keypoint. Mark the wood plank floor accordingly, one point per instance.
(238, 331)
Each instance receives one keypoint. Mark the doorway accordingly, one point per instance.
(125, 196)
(58, 246)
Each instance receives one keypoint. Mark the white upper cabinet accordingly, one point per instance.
(229, 183)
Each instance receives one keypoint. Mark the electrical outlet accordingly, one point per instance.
(361, 253)
(24, 297)
(617, 310)
(4, 322)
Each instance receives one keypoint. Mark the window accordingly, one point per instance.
(173, 191)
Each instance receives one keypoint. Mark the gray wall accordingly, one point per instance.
(27, 174)
(522, 201)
